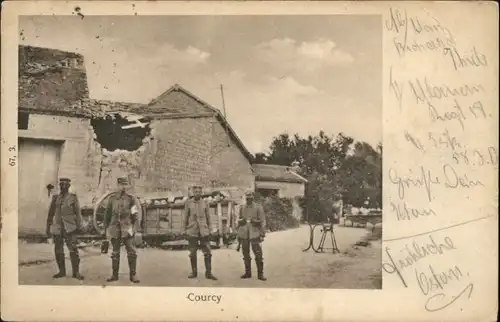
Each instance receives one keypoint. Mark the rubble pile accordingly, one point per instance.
(122, 148)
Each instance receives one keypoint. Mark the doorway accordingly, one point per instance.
(38, 167)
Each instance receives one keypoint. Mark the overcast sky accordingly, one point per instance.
(280, 73)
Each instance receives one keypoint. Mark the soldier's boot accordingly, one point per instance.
(248, 268)
(208, 268)
(75, 265)
(194, 266)
(132, 264)
(61, 265)
(260, 270)
(115, 264)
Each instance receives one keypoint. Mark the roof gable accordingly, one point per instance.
(278, 173)
(178, 100)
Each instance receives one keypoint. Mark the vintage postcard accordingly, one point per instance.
(249, 161)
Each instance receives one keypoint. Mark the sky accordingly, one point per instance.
(294, 74)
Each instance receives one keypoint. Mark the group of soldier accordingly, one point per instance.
(64, 223)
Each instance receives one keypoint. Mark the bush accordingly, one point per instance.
(279, 213)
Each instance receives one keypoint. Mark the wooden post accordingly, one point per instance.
(170, 218)
(158, 220)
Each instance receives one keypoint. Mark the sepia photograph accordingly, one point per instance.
(249, 161)
(240, 151)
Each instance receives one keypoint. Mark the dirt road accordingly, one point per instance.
(286, 265)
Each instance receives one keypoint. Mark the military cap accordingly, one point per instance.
(122, 180)
(196, 186)
(64, 180)
(249, 193)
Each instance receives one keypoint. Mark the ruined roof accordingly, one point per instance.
(54, 82)
(104, 107)
(51, 80)
(48, 57)
(278, 173)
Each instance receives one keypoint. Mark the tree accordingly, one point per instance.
(260, 158)
(332, 165)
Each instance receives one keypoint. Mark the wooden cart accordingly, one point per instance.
(161, 219)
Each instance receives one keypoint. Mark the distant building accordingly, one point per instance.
(278, 180)
(167, 145)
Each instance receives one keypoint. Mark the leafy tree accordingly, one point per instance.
(332, 165)
(260, 158)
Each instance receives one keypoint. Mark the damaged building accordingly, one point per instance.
(164, 146)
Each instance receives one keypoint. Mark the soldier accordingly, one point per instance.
(251, 232)
(119, 223)
(64, 222)
(198, 227)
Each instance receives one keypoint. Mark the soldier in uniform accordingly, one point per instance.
(251, 232)
(119, 223)
(64, 222)
(197, 228)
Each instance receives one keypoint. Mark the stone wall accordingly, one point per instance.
(229, 166)
(177, 154)
(51, 79)
(182, 153)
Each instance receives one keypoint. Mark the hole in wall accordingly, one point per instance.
(117, 132)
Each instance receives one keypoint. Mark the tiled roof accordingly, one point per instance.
(278, 173)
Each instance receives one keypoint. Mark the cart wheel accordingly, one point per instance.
(310, 239)
(317, 233)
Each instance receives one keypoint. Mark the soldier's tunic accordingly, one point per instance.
(251, 227)
(197, 225)
(64, 220)
(120, 224)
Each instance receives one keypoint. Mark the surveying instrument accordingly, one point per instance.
(327, 230)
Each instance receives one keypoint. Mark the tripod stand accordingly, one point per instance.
(326, 229)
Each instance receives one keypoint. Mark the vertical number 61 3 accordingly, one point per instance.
(12, 161)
